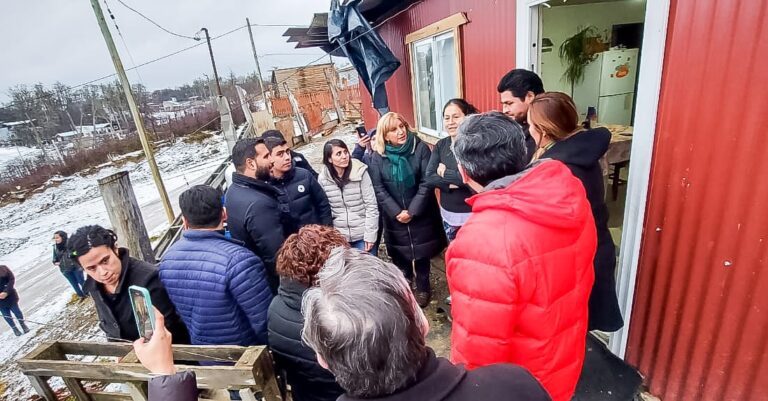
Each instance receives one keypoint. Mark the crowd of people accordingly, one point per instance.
(287, 257)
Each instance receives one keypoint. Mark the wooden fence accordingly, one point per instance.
(251, 372)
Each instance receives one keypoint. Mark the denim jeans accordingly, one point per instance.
(450, 231)
(7, 314)
(361, 246)
(76, 280)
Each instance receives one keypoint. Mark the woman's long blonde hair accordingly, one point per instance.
(388, 122)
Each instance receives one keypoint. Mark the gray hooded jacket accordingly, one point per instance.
(354, 208)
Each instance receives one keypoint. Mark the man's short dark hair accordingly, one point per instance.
(273, 142)
(244, 149)
(490, 146)
(520, 82)
(201, 206)
(272, 133)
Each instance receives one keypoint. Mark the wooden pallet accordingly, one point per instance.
(251, 372)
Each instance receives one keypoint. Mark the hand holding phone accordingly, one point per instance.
(157, 354)
(143, 311)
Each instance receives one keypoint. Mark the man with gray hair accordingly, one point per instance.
(520, 270)
(365, 326)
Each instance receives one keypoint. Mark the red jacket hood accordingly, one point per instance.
(543, 193)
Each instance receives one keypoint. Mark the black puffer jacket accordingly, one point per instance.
(308, 380)
(423, 237)
(60, 255)
(259, 215)
(115, 313)
(581, 153)
(309, 204)
(8, 286)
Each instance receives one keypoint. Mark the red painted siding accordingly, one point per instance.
(488, 50)
(700, 315)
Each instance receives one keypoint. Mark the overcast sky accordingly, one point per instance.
(59, 40)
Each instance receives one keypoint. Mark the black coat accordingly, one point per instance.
(309, 381)
(582, 153)
(115, 313)
(451, 199)
(8, 286)
(300, 161)
(439, 380)
(66, 262)
(308, 202)
(259, 215)
(423, 237)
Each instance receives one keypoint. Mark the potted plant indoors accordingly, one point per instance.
(578, 51)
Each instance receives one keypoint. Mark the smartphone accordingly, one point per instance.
(143, 312)
(361, 131)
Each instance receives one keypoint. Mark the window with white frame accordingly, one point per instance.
(435, 78)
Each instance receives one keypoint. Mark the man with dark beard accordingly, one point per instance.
(258, 213)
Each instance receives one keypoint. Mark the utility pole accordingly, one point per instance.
(213, 62)
(134, 110)
(258, 67)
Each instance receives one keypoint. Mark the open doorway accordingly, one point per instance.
(591, 50)
(611, 64)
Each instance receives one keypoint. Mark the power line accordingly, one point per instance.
(153, 22)
(122, 38)
(132, 68)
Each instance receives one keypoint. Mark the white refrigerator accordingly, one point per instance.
(609, 86)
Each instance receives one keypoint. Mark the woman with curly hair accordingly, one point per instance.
(298, 261)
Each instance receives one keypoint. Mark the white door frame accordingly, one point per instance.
(646, 110)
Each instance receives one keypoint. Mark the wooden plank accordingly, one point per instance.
(93, 348)
(251, 356)
(207, 376)
(269, 386)
(138, 391)
(441, 26)
(182, 352)
(76, 389)
(46, 350)
(40, 384)
(130, 358)
(102, 396)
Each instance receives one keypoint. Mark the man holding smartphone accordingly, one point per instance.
(111, 271)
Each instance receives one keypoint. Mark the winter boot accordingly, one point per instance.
(16, 331)
(24, 326)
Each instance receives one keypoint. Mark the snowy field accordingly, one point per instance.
(26, 232)
(8, 155)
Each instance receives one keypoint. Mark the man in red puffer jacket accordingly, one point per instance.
(520, 271)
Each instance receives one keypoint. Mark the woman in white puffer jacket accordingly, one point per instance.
(350, 192)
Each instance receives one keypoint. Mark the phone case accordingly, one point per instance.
(147, 305)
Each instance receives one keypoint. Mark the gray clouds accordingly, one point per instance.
(59, 40)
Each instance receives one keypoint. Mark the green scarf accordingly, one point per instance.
(402, 172)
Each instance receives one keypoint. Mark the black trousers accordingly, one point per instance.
(420, 269)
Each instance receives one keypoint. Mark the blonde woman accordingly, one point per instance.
(413, 228)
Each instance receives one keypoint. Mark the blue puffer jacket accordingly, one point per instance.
(219, 288)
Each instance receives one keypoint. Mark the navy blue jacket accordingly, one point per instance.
(219, 288)
(259, 215)
(309, 203)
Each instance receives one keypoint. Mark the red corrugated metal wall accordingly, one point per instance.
(488, 50)
(700, 320)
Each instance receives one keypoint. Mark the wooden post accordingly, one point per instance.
(125, 215)
(40, 384)
(332, 87)
(76, 389)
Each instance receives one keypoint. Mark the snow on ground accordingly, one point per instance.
(26, 232)
(9, 155)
